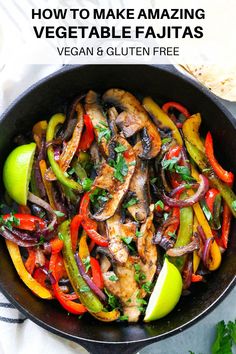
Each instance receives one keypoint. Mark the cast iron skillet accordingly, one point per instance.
(46, 98)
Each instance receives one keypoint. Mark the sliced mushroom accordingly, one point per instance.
(118, 188)
(95, 112)
(112, 115)
(116, 231)
(133, 119)
(139, 186)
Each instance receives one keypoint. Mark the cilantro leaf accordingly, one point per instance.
(160, 204)
(113, 277)
(87, 184)
(103, 131)
(113, 302)
(131, 202)
(59, 213)
(123, 318)
(86, 262)
(138, 234)
(223, 341)
(120, 148)
(169, 164)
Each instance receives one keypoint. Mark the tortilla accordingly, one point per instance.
(218, 79)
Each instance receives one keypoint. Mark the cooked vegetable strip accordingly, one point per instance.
(190, 130)
(133, 119)
(168, 105)
(225, 176)
(88, 136)
(161, 119)
(47, 184)
(87, 298)
(72, 146)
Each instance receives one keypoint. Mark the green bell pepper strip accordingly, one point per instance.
(185, 233)
(61, 176)
(86, 296)
(225, 191)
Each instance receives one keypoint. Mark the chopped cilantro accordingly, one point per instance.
(141, 302)
(60, 236)
(99, 196)
(132, 163)
(131, 202)
(172, 166)
(112, 300)
(103, 131)
(86, 262)
(172, 234)
(138, 234)
(123, 318)
(234, 205)
(160, 204)
(165, 216)
(87, 184)
(166, 140)
(169, 164)
(139, 276)
(41, 241)
(127, 240)
(10, 221)
(71, 171)
(84, 289)
(120, 148)
(113, 277)
(59, 213)
(153, 180)
(148, 286)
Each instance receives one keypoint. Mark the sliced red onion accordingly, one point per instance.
(36, 200)
(189, 248)
(48, 274)
(57, 154)
(159, 239)
(9, 235)
(88, 280)
(47, 249)
(183, 187)
(206, 251)
(185, 157)
(203, 187)
(37, 172)
(201, 233)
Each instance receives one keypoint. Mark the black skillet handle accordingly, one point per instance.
(99, 348)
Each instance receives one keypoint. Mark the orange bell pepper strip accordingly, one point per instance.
(39, 130)
(196, 278)
(224, 175)
(56, 245)
(83, 246)
(29, 281)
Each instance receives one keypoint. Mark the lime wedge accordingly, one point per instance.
(17, 172)
(166, 293)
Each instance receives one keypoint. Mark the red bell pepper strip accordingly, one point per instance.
(176, 105)
(74, 230)
(89, 225)
(64, 299)
(210, 198)
(56, 245)
(96, 273)
(88, 136)
(173, 152)
(196, 278)
(225, 176)
(26, 222)
(91, 246)
(30, 262)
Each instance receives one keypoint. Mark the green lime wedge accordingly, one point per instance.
(166, 293)
(17, 172)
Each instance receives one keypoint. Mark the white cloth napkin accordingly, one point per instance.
(19, 335)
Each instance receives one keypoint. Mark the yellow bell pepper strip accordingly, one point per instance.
(29, 281)
(196, 258)
(161, 118)
(39, 130)
(185, 232)
(215, 251)
(225, 191)
(47, 184)
(191, 131)
(87, 297)
(107, 316)
(52, 125)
